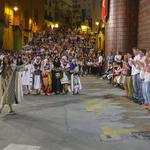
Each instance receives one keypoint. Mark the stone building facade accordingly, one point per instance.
(127, 25)
(144, 24)
(17, 27)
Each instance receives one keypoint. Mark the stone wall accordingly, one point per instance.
(121, 27)
(144, 24)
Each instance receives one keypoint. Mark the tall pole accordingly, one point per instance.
(2, 21)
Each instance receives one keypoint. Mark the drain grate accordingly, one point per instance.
(145, 135)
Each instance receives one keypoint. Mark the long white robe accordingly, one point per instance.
(75, 81)
(27, 76)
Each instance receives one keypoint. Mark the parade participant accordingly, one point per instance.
(65, 81)
(75, 77)
(56, 76)
(9, 87)
(18, 61)
(27, 76)
(37, 75)
(47, 77)
(1, 69)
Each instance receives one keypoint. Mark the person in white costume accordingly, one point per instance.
(27, 76)
(75, 77)
(37, 75)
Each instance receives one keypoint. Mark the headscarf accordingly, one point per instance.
(56, 62)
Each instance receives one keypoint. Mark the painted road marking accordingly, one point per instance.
(110, 131)
(91, 101)
(21, 147)
(98, 107)
(99, 103)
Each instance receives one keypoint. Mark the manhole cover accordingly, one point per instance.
(145, 135)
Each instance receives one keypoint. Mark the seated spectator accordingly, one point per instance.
(110, 58)
(118, 57)
(108, 74)
(117, 74)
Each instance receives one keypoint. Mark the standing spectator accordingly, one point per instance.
(141, 64)
(126, 76)
(147, 81)
(100, 61)
(135, 75)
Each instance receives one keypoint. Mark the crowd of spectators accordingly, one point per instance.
(132, 73)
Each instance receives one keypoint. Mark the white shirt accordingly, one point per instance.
(134, 67)
(142, 73)
(147, 76)
(118, 58)
(100, 59)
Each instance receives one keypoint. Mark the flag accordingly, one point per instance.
(104, 11)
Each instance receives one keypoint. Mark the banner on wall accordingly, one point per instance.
(104, 10)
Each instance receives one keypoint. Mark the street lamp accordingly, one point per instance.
(97, 23)
(15, 8)
(56, 25)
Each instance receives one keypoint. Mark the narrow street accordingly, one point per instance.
(100, 118)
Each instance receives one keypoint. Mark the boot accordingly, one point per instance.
(10, 109)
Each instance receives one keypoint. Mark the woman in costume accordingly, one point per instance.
(75, 77)
(46, 76)
(65, 81)
(56, 76)
(9, 86)
(27, 76)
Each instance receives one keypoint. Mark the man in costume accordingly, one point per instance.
(56, 76)
(37, 75)
(65, 81)
(75, 77)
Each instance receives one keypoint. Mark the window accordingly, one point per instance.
(50, 3)
(46, 1)
(36, 15)
(45, 13)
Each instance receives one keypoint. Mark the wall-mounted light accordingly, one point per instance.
(15, 8)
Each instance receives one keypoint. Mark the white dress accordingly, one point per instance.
(27, 76)
(75, 81)
(37, 77)
(65, 79)
(37, 82)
